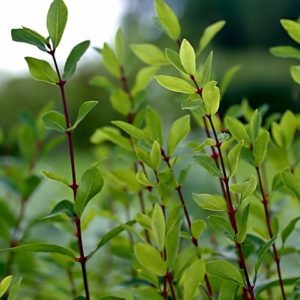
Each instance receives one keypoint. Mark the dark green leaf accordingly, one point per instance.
(84, 109)
(73, 58)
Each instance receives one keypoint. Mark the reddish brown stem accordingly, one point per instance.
(265, 203)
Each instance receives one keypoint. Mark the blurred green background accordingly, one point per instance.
(252, 27)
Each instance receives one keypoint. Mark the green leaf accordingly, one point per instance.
(211, 97)
(194, 105)
(295, 73)
(111, 298)
(208, 164)
(209, 34)
(29, 36)
(108, 236)
(234, 156)
(268, 284)
(150, 259)
(174, 59)
(260, 147)
(84, 109)
(56, 21)
(168, 19)
(242, 230)
(246, 188)
(41, 247)
(292, 28)
(149, 54)
(197, 228)
(4, 284)
(120, 46)
(143, 78)
(143, 179)
(90, 185)
(73, 58)
(288, 125)
(187, 57)
(254, 124)
(64, 206)
(179, 130)
(131, 129)
(55, 176)
(291, 182)
(227, 78)
(288, 230)
(120, 102)
(154, 125)
(285, 51)
(175, 84)
(102, 82)
(14, 289)
(155, 155)
(261, 255)
(228, 291)
(26, 142)
(225, 270)
(54, 120)
(110, 61)
(172, 244)
(207, 69)
(221, 225)
(210, 202)
(158, 226)
(237, 129)
(192, 277)
(41, 70)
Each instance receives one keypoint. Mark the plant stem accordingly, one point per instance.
(74, 185)
(170, 281)
(231, 210)
(265, 203)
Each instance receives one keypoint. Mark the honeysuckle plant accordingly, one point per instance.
(157, 234)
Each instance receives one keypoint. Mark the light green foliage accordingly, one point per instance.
(55, 120)
(143, 78)
(130, 129)
(174, 59)
(285, 51)
(155, 155)
(291, 182)
(210, 202)
(4, 284)
(120, 102)
(207, 69)
(198, 226)
(245, 188)
(154, 125)
(234, 156)
(242, 228)
(211, 97)
(120, 46)
(292, 28)
(172, 242)
(237, 129)
(175, 84)
(209, 33)
(55, 176)
(221, 225)
(26, 142)
(168, 19)
(56, 21)
(149, 54)
(208, 164)
(73, 58)
(84, 109)
(260, 147)
(41, 70)
(254, 125)
(295, 73)
(179, 130)
(14, 289)
(110, 61)
(187, 57)
(228, 77)
(90, 185)
(158, 227)
(286, 232)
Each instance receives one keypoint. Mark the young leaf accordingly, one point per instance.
(131, 129)
(261, 255)
(221, 225)
(143, 78)
(194, 105)
(291, 182)
(110, 235)
(4, 284)
(295, 73)
(208, 164)
(120, 46)
(150, 259)
(234, 156)
(237, 129)
(120, 102)
(149, 54)
(288, 125)
(254, 124)
(175, 84)
(29, 36)
(245, 188)
(168, 19)
(179, 130)
(197, 228)
(209, 34)
(211, 97)
(174, 59)
(73, 58)
(187, 57)
(227, 78)
(225, 270)
(158, 227)
(210, 202)
(40, 247)
(155, 155)
(55, 176)
(154, 125)
(110, 61)
(54, 120)
(56, 21)
(242, 231)
(84, 109)
(91, 184)
(41, 70)
(260, 147)
(207, 69)
(64, 206)
(285, 51)
(292, 28)
(192, 277)
(288, 230)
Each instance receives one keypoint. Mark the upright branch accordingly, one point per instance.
(74, 185)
